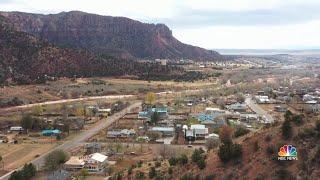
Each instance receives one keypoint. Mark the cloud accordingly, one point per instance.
(208, 23)
(293, 36)
(279, 15)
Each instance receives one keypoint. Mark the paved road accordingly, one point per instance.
(81, 137)
(257, 109)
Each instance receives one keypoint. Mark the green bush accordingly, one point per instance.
(139, 175)
(196, 155)
(27, 172)
(240, 131)
(139, 164)
(297, 119)
(201, 163)
(152, 172)
(173, 161)
(286, 129)
(183, 159)
(229, 151)
(199, 158)
(54, 159)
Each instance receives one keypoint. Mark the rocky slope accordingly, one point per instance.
(112, 36)
(26, 59)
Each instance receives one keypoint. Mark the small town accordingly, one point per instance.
(159, 90)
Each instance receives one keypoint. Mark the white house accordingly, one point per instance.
(211, 110)
(166, 131)
(16, 128)
(308, 97)
(95, 162)
(262, 99)
(200, 130)
(104, 112)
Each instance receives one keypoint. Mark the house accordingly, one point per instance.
(307, 97)
(260, 93)
(237, 107)
(200, 130)
(95, 162)
(213, 136)
(121, 133)
(143, 115)
(280, 108)
(284, 98)
(91, 148)
(162, 112)
(163, 62)
(313, 108)
(104, 112)
(166, 131)
(16, 128)
(196, 131)
(74, 163)
(311, 102)
(189, 135)
(210, 114)
(54, 132)
(210, 110)
(249, 117)
(262, 99)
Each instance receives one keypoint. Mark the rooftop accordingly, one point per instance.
(98, 157)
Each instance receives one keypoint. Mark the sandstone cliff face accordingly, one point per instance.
(26, 59)
(114, 36)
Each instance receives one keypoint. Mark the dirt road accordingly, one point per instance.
(64, 101)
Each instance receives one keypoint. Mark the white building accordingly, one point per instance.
(95, 162)
(308, 97)
(262, 99)
(16, 128)
(200, 130)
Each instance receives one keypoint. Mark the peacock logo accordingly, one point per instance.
(287, 152)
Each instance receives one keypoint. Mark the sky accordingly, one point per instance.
(212, 24)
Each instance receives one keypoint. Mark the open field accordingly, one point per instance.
(16, 155)
(84, 87)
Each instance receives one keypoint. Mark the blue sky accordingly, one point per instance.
(241, 24)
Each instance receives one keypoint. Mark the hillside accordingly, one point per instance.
(26, 59)
(260, 156)
(112, 36)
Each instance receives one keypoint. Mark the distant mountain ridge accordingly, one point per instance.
(115, 36)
